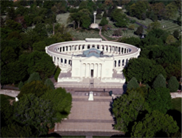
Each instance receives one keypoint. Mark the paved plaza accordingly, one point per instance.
(88, 116)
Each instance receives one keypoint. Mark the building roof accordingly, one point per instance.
(92, 52)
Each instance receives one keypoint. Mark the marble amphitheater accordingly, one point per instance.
(91, 62)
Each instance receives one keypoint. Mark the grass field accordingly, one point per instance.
(79, 35)
(177, 103)
(62, 18)
(169, 25)
(127, 33)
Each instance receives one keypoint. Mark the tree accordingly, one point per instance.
(144, 70)
(173, 84)
(154, 25)
(15, 130)
(39, 62)
(5, 5)
(159, 82)
(139, 30)
(155, 37)
(170, 39)
(161, 54)
(120, 18)
(126, 109)
(159, 9)
(49, 84)
(132, 83)
(104, 21)
(138, 8)
(171, 10)
(131, 40)
(159, 99)
(33, 111)
(35, 87)
(13, 25)
(176, 34)
(61, 102)
(153, 123)
(34, 77)
(20, 85)
(39, 46)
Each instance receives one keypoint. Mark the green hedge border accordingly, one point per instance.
(57, 72)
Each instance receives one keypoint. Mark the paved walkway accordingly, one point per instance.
(11, 93)
(88, 116)
(100, 33)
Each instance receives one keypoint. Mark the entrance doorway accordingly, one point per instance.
(92, 73)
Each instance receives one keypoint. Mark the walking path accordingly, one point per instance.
(11, 93)
(100, 33)
(88, 116)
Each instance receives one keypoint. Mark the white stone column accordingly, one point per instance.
(98, 71)
(104, 48)
(59, 62)
(84, 70)
(56, 61)
(95, 70)
(101, 70)
(100, 47)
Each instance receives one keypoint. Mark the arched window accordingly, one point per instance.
(61, 60)
(97, 46)
(119, 63)
(83, 46)
(115, 63)
(65, 61)
(123, 62)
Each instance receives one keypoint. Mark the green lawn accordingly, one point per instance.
(169, 25)
(79, 35)
(176, 102)
(62, 18)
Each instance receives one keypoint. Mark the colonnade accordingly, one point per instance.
(87, 67)
(104, 48)
(61, 61)
(120, 63)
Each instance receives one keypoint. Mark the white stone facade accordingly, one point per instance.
(69, 57)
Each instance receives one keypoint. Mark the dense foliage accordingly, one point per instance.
(127, 108)
(155, 124)
(132, 83)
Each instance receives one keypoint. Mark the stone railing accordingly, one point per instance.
(176, 95)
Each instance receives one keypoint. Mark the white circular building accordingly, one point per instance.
(91, 62)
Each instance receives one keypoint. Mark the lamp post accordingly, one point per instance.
(94, 16)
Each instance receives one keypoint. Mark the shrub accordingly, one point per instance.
(173, 84)
(49, 84)
(57, 73)
(159, 82)
(132, 83)
(20, 85)
(132, 27)
(33, 77)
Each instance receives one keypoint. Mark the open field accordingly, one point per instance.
(169, 25)
(62, 18)
(79, 35)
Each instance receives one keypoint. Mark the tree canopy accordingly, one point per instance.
(159, 82)
(155, 122)
(126, 109)
(144, 70)
(159, 99)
